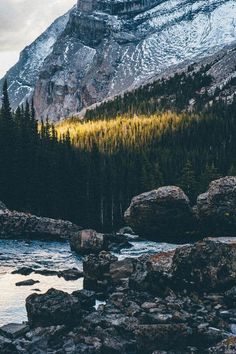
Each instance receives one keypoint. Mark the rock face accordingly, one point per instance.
(14, 224)
(162, 214)
(216, 208)
(105, 47)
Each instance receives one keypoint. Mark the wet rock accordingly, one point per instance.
(162, 214)
(27, 282)
(23, 271)
(70, 274)
(18, 225)
(87, 241)
(90, 241)
(216, 209)
(14, 330)
(55, 307)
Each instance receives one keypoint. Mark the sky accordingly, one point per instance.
(22, 21)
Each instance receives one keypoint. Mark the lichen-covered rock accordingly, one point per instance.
(206, 265)
(162, 214)
(56, 307)
(18, 225)
(216, 209)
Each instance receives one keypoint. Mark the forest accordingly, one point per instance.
(88, 171)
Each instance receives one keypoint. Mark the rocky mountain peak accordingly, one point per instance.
(106, 47)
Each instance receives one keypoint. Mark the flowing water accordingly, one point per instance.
(45, 255)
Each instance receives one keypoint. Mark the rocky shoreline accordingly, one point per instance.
(181, 301)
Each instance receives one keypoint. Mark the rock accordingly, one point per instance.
(87, 241)
(227, 346)
(14, 330)
(70, 274)
(122, 269)
(18, 225)
(216, 209)
(6, 346)
(90, 241)
(27, 282)
(46, 272)
(162, 214)
(152, 337)
(96, 271)
(207, 265)
(23, 271)
(55, 307)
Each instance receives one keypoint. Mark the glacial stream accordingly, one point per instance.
(45, 255)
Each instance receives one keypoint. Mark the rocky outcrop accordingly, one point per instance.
(216, 209)
(18, 225)
(162, 214)
(90, 241)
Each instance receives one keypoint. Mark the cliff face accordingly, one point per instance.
(107, 47)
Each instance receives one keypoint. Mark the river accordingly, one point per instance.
(45, 255)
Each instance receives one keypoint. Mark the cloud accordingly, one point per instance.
(21, 21)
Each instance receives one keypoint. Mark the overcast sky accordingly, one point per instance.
(21, 21)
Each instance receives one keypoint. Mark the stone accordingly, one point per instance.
(27, 282)
(162, 214)
(14, 330)
(158, 336)
(122, 269)
(70, 274)
(23, 271)
(227, 346)
(206, 265)
(87, 241)
(55, 307)
(6, 346)
(216, 209)
(19, 225)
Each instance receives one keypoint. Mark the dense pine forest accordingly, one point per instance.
(88, 171)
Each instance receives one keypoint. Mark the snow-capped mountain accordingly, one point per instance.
(106, 47)
(23, 76)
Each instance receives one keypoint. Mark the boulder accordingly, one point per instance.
(122, 269)
(87, 241)
(162, 214)
(56, 307)
(227, 346)
(206, 265)
(216, 209)
(18, 225)
(14, 330)
(27, 282)
(90, 241)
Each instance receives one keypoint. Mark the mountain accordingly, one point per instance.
(22, 76)
(107, 47)
(194, 87)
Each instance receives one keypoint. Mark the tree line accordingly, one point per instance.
(88, 172)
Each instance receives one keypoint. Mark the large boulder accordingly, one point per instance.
(216, 209)
(16, 225)
(56, 307)
(206, 265)
(162, 214)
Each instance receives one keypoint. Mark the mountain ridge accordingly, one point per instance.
(99, 55)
